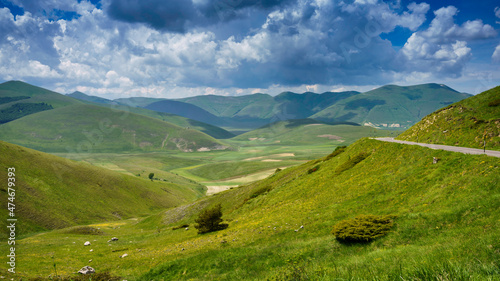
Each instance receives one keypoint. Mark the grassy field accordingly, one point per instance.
(472, 122)
(446, 225)
(53, 192)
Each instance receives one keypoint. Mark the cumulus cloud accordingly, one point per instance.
(442, 48)
(496, 54)
(176, 48)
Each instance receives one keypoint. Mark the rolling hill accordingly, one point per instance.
(19, 99)
(93, 99)
(53, 192)
(211, 130)
(308, 132)
(284, 106)
(472, 122)
(87, 128)
(391, 106)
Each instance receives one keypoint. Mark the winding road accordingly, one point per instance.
(465, 150)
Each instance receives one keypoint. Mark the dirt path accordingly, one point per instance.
(465, 150)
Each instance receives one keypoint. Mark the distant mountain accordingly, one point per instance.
(284, 106)
(129, 105)
(83, 97)
(391, 105)
(470, 123)
(137, 101)
(184, 109)
(90, 128)
(55, 192)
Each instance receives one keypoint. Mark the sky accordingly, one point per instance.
(174, 48)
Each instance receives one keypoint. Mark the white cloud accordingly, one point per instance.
(301, 43)
(442, 48)
(496, 54)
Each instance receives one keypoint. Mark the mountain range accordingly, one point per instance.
(389, 106)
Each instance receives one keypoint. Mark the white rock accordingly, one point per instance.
(86, 243)
(124, 255)
(86, 270)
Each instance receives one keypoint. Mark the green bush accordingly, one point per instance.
(363, 228)
(336, 152)
(313, 169)
(351, 162)
(210, 220)
(494, 103)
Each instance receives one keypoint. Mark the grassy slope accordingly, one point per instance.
(208, 129)
(36, 94)
(88, 128)
(465, 123)
(286, 105)
(446, 227)
(392, 104)
(53, 192)
(254, 106)
(308, 132)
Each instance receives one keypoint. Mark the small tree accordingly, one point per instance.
(151, 175)
(210, 220)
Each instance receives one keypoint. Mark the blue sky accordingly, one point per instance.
(172, 49)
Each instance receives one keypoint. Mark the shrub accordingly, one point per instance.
(210, 220)
(494, 103)
(313, 169)
(363, 228)
(336, 152)
(351, 162)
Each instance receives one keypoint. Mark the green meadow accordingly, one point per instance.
(445, 226)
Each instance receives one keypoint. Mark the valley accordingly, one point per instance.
(144, 176)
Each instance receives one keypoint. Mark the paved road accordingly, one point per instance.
(465, 150)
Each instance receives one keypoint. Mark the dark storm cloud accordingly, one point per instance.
(180, 16)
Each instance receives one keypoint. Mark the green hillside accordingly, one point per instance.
(19, 99)
(308, 132)
(208, 129)
(286, 105)
(53, 192)
(445, 225)
(470, 123)
(33, 94)
(391, 106)
(253, 106)
(87, 128)
(83, 97)
(137, 101)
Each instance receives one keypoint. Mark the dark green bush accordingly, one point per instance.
(336, 152)
(351, 162)
(210, 220)
(494, 103)
(313, 169)
(363, 228)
